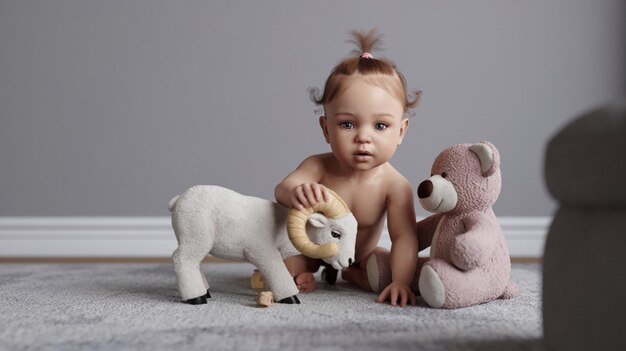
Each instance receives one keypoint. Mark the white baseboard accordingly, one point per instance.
(154, 237)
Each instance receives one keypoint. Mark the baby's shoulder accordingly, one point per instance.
(319, 159)
(394, 177)
(396, 183)
(322, 163)
(317, 162)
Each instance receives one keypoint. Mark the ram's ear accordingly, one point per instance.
(318, 220)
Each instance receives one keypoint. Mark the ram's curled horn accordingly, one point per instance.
(296, 226)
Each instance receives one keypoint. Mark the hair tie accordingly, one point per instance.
(367, 55)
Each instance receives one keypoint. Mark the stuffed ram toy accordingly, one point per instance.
(214, 220)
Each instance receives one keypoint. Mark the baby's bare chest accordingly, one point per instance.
(367, 202)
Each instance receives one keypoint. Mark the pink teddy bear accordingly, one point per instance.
(469, 260)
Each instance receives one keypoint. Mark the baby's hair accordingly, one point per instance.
(378, 71)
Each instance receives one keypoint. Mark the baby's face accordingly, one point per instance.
(363, 125)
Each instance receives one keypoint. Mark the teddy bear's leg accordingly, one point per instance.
(510, 291)
(379, 271)
(445, 286)
(431, 287)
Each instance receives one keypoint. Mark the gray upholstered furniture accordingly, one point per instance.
(584, 278)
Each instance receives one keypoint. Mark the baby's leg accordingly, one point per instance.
(357, 273)
(302, 268)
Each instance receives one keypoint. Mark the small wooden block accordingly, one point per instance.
(265, 299)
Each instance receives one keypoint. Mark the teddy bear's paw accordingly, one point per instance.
(431, 288)
(378, 271)
(373, 274)
(466, 253)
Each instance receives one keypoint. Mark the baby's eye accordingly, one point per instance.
(346, 125)
(380, 126)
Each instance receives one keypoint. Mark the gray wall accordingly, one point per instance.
(109, 108)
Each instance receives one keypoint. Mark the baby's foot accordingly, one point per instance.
(305, 282)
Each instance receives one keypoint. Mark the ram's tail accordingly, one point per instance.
(173, 202)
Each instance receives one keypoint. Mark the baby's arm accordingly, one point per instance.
(404, 246)
(300, 189)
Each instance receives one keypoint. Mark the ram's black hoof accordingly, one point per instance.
(329, 275)
(290, 300)
(200, 300)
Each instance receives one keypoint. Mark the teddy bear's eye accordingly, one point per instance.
(444, 174)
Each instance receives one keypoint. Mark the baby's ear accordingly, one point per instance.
(403, 127)
(488, 156)
(324, 126)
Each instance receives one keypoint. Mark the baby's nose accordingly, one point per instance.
(363, 137)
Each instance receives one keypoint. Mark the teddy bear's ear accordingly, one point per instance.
(488, 156)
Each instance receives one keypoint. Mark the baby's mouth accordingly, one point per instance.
(362, 156)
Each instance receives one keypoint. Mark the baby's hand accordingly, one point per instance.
(307, 195)
(397, 293)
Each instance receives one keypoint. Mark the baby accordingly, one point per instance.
(365, 102)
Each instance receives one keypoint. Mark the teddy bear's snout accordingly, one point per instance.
(425, 189)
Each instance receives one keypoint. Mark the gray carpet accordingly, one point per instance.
(135, 307)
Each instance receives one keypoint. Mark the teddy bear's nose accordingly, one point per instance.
(425, 189)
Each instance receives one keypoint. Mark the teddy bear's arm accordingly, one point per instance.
(426, 230)
(472, 248)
